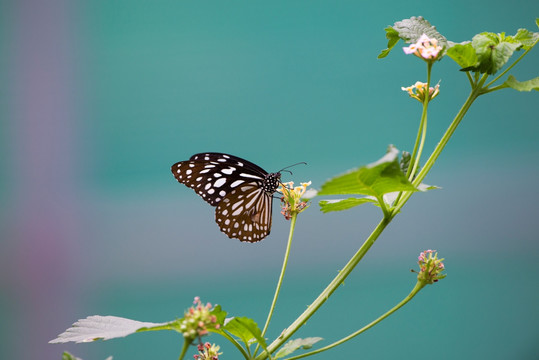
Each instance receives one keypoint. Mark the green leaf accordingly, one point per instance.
(464, 55)
(68, 356)
(406, 158)
(529, 85)
(376, 179)
(343, 204)
(219, 314)
(393, 36)
(104, 328)
(493, 51)
(410, 30)
(527, 38)
(296, 344)
(246, 329)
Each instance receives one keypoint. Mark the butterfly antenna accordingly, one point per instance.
(289, 166)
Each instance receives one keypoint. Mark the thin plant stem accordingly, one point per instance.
(326, 293)
(246, 355)
(185, 346)
(421, 134)
(418, 286)
(438, 150)
(418, 147)
(281, 277)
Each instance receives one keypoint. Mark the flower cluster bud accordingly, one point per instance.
(430, 267)
(291, 201)
(197, 320)
(425, 48)
(418, 91)
(207, 351)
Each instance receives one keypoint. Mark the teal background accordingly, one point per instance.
(99, 98)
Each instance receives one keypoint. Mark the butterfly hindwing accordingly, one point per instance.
(245, 214)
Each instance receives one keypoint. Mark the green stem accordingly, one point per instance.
(326, 293)
(418, 286)
(185, 346)
(472, 84)
(281, 277)
(441, 145)
(421, 135)
(383, 206)
(236, 344)
(422, 131)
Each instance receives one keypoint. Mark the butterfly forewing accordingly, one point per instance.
(241, 191)
(214, 175)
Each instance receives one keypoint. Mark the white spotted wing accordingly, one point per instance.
(241, 191)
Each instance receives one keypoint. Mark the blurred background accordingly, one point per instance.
(100, 98)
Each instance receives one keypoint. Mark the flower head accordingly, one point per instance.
(291, 201)
(430, 267)
(207, 351)
(197, 320)
(425, 48)
(418, 91)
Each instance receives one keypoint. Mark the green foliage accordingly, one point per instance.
(68, 356)
(393, 36)
(245, 329)
(296, 344)
(343, 204)
(410, 30)
(463, 54)
(219, 313)
(406, 159)
(493, 51)
(489, 52)
(529, 85)
(374, 180)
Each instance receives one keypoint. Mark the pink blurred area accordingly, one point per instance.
(38, 275)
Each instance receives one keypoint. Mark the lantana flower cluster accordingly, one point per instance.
(207, 351)
(291, 201)
(425, 48)
(419, 89)
(430, 267)
(197, 320)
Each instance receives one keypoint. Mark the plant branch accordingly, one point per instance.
(326, 293)
(441, 145)
(185, 346)
(281, 277)
(418, 286)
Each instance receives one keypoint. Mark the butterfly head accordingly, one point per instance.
(271, 182)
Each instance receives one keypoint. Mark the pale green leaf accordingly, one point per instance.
(528, 85)
(296, 344)
(102, 328)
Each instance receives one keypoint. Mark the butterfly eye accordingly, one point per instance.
(241, 191)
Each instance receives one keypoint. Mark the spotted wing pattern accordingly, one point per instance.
(241, 191)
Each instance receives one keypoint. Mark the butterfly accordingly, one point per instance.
(241, 191)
